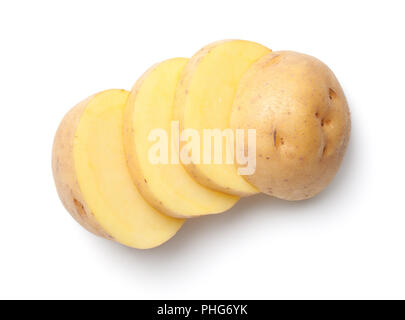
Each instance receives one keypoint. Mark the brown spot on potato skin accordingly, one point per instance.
(79, 208)
(324, 151)
(332, 94)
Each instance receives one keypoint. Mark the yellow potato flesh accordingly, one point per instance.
(167, 186)
(204, 101)
(105, 181)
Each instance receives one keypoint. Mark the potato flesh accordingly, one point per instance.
(204, 101)
(105, 181)
(65, 175)
(167, 187)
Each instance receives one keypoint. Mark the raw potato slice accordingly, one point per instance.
(93, 180)
(204, 101)
(167, 186)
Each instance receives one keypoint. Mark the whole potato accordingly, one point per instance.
(302, 122)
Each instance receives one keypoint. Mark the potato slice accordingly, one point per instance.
(167, 186)
(204, 101)
(93, 180)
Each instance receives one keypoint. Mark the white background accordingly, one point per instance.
(348, 242)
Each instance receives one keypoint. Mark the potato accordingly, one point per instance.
(204, 101)
(93, 180)
(166, 185)
(302, 123)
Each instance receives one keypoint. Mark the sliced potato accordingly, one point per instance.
(302, 122)
(93, 180)
(167, 186)
(204, 101)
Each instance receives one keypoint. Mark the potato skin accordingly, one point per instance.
(302, 122)
(64, 171)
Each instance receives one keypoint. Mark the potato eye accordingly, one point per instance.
(332, 94)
